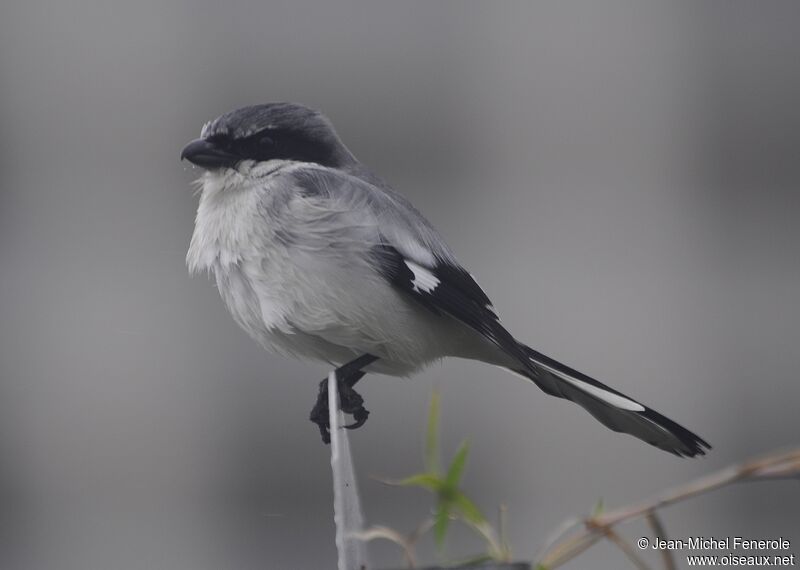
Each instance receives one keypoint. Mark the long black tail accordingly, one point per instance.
(615, 410)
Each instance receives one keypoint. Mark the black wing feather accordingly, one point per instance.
(458, 295)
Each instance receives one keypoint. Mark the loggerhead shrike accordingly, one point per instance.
(315, 256)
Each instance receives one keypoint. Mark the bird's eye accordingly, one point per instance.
(266, 141)
(220, 142)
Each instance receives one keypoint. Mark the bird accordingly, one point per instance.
(317, 257)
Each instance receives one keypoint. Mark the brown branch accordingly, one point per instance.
(775, 466)
(626, 548)
(660, 532)
(565, 551)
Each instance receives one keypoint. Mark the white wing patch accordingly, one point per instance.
(424, 280)
(608, 397)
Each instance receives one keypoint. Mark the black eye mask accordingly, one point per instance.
(276, 144)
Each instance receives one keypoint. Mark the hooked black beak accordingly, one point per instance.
(207, 155)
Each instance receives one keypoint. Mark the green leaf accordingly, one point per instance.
(425, 480)
(432, 436)
(468, 509)
(457, 466)
(441, 522)
(598, 508)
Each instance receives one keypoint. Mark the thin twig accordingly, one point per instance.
(486, 532)
(391, 535)
(626, 548)
(502, 525)
(660, 532)
(565, 551)
(553, 538)
(407, 542)
(417, 533)
(776, 466)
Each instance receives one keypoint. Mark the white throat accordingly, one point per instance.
(227, 213)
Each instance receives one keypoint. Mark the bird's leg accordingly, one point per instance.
(350, 401)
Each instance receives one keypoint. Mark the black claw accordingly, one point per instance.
(325, 434)
(319, 413)
(350, 401)
(360, 416)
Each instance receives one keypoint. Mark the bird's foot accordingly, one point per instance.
(350, 403)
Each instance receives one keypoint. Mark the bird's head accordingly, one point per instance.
(282, 132)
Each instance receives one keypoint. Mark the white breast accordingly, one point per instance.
(224, 224)
(233, 240)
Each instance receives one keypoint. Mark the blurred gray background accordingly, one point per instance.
(622, 178)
